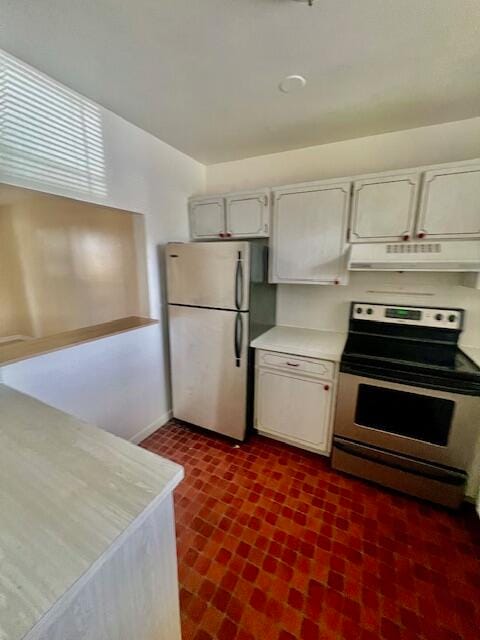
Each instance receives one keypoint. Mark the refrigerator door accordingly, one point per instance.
(209, 274)
(208, 354)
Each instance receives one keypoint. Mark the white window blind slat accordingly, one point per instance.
(33, 116)
(22, 139)
(49, 135)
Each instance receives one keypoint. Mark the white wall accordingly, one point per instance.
(146, 175)
(326, 307)
(414, 147)
(115, 382)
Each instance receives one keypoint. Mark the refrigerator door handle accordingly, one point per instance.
(239, 282)
(238, 339)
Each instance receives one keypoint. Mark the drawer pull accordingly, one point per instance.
(326, 387)
(293, 364)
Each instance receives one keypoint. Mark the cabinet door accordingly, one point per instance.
(248, 214)
(309, 234)
(383, 207)
(450, 203)
(207, 218)
(294, 408)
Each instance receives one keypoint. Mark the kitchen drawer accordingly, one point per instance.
(296, 364)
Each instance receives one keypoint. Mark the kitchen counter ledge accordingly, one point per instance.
(327, 345)
(472, 352)
(22, 350)
(69, 492)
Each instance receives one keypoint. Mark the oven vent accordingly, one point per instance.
(452, 255)
(424, 247)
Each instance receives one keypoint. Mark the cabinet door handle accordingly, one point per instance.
(221, 235)
(293, 364)
(326, 387)
(421, 235)
(406, 236)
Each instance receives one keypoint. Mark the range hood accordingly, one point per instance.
(452, 255)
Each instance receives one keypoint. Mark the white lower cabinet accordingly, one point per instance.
(294, 400)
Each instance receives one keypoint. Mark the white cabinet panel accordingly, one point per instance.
(309, 233)
(119, 597)
(207, 218)
(236, 215)
(247, 214)
(294, 408)
(450, 204)
(383, 207)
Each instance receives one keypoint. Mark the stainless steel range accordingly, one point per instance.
(408, 406)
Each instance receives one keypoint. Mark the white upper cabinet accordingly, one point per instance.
(383, 207)
(450, 203)
(236, 215)
(248, 214)
(207, 218)
(309, 233)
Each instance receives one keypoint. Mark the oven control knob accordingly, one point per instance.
(359, 310)
(439, 316)
(452, 318)
(369, 311)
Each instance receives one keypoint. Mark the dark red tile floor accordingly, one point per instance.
(274, 545)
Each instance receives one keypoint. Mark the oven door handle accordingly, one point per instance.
(448, 476)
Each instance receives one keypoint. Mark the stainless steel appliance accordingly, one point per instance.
(218, 301)
(408, 405)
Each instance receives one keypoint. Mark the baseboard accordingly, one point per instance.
(151, 428)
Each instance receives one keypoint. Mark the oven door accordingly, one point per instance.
(430, 425)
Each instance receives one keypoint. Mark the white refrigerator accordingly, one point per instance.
(218, 301)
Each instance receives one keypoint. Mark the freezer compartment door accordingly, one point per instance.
(209, 274)
(209, 368)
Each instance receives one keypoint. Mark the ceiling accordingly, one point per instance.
(203, 74)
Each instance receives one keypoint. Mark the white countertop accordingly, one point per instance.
(67, 492)
(327, 345)
(472, 352)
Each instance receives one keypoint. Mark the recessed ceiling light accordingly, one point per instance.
(292, 83)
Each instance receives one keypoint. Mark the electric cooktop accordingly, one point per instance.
(409, 345)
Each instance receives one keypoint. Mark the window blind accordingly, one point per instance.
(49, 135)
